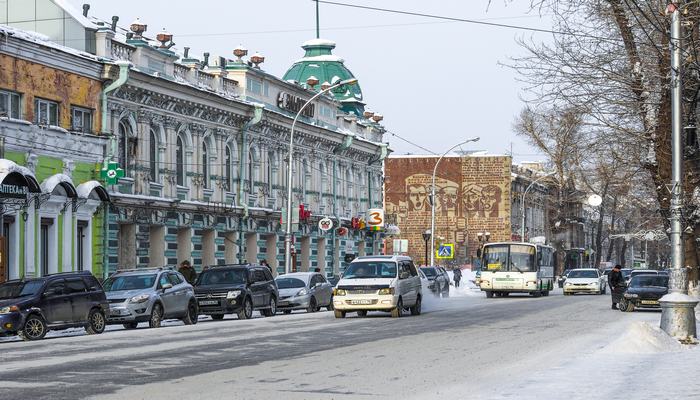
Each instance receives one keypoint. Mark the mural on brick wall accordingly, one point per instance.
(472, 195)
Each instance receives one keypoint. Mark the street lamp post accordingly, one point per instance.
(522, 205)
(288, 230)
(426, 237)
(432, 198)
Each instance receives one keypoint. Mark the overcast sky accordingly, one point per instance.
(436, 82)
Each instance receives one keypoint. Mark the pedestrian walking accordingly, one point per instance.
(617, 285)
(264, 263)
(188, 272)
(457, 276)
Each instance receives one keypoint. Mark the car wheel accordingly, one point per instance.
(156, 316)
(330, 305)
(622, 305)
(272, 310)
(191, 317)
(362, 313)
(446, 293)
(130, 325)
(246, 312)
(489, 295)
(96, 322)
(396, 312)
(630, 307)
(339, 314)
(34, 328)
(312, 306)
(217, 317)
(416, 309)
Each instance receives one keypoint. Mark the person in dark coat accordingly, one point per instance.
(617, 285)
(457, 276)
(188, 272)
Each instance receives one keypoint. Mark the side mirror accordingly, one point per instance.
(167, 286)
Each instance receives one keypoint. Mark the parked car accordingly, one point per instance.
(562, 278)
(304, 291)
(584, 280)
(32, 307)
(644, 291)
(236, 289)
(443, 271)
(149, 295)
(626, 274)
(439, 283)
(379, 283)
(636, 272)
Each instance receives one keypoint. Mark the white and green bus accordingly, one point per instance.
(516, 267)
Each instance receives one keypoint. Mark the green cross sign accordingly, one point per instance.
(112, 173)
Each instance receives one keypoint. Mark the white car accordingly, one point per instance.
(584, 280)
(379, 283)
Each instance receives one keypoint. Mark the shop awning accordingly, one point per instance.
(64, 182)
(89, 189)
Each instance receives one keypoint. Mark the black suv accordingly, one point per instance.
(31, 307)
(237, 288)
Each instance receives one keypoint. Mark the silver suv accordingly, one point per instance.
(149, 295)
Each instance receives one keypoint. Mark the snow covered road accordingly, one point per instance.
(462, 347)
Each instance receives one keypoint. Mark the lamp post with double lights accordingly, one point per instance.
(432, 198)
(288, 231)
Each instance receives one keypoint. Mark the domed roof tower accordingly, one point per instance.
(320, 63)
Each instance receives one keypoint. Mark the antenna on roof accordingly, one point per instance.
(318, 31)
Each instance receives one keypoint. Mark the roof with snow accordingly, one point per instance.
(320, 62)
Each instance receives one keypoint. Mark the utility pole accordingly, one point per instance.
(677, 308)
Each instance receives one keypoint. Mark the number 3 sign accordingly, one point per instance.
(375, 219)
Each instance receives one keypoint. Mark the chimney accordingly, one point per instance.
(205, 63)
(187, 53)
(115, 19)
(86, 8)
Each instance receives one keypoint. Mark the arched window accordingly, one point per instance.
(153, 156)
(180, 162)
(228, 173)
(127, 147)
(205, 165)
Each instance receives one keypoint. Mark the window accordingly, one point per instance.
(56, 288)
(153, 157)
(10, 104)
(44, 250)
(270, 162)
(92, 283)
(205, 165)
(255, 86)
(259, 276)
(163, 280)
(127, 147)
(75, 285)
(249, 171)
(81, 119)
(174, 279)
(229, 168)
(80, 239)
(46, 112)
(180, 162)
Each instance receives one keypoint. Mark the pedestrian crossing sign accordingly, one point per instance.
(445, 251)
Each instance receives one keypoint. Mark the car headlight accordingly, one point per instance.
(8, 309)
(140, 298)
(568, 283)
(302, 292)
(386, 291)
(593, 284)
(339, 292)
(233, 294)
(631, 295)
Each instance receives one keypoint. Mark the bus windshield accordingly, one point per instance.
(510, 257)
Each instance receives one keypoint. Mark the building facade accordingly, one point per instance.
(51, 200)
(473, 201)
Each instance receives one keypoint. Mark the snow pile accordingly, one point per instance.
(467, 287)
(643, 338)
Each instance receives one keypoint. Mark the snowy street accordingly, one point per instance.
(465, 346)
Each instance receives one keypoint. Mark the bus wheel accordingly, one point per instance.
(489, 295)
(545, 293)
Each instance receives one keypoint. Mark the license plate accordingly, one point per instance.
(208, 302)
(650, 302)
(361, 302)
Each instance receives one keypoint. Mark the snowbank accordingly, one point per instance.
(643, 338)
(467, 287)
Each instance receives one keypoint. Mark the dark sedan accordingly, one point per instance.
(644, 291)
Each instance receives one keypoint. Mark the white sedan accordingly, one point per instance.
(584, 280)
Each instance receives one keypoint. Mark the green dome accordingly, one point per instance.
(326, 67)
